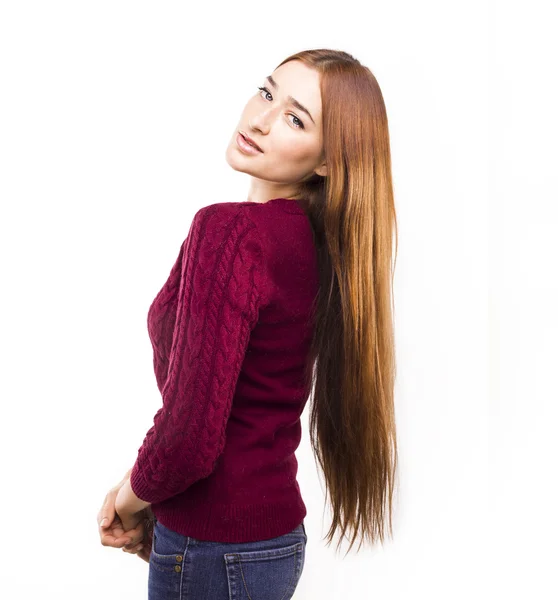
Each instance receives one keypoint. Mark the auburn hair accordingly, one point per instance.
(351, 371)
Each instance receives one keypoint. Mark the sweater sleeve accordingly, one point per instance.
(221, 291)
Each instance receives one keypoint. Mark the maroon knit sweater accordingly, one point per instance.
(231, 334)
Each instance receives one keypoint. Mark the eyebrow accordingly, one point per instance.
(291, 99)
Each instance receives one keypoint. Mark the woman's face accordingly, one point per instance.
(291, 139)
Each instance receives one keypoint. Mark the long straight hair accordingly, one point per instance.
(352, 364)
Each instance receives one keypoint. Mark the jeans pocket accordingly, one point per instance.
(167, 550)
(271, 574)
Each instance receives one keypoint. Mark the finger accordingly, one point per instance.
(144, 554)
(109, 539)
(134, 535)
(116, 537)
(107, 512)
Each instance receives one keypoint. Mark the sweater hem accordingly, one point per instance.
(232, 523)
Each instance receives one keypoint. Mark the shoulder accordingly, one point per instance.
(221, 221)
(222, 213)
(228, 225)
(226, 237)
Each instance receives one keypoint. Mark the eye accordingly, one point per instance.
(301, 126)
(264, 89)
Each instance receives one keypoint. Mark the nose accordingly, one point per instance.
(258, 124)
(261, 121)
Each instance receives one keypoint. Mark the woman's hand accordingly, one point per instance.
(133, 532)
(143, 547)
(129, 507)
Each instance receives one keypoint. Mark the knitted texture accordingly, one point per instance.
(218, 308)
(228, 353)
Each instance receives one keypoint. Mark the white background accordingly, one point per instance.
(114, 119)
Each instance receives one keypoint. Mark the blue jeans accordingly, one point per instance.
(183, 568)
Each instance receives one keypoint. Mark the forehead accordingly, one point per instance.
(296, 79)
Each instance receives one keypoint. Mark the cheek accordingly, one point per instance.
(289, 161)
(298, 152)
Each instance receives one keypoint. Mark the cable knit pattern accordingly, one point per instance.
(218, 462)
(218, 307)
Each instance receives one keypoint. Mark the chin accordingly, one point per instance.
(235, 160)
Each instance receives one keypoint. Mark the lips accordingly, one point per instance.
(250, 141)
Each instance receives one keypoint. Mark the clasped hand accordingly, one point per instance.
(119, 527)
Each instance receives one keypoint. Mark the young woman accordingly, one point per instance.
(270, 299)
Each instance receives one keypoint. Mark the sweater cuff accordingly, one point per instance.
(139, 485)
